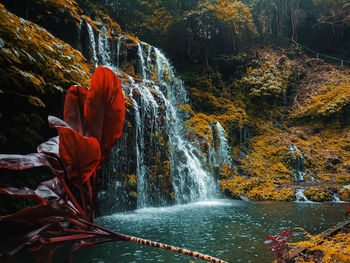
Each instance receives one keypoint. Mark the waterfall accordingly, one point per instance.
(297, 163)
(168, 167)
(142, 65)
(190, 181)
(299, 195)
(118, 51)
(219, 150)
(92, 43)
(223, 155)
(336, 198)
(103, 48)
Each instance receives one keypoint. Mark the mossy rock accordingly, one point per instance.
(318, 194)
(344, 193)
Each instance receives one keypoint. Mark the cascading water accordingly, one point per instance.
(219, 150)
(190, 181)
(336, 198)
(118, 51)
(168, 166)
(300, 196)
(92, 43)
(223, 155)
(103, 48)
(297, 163)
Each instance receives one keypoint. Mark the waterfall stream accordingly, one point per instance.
(157, 134)
(297, 163)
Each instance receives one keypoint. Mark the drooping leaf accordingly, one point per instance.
(347, 211)
(24, 192)
(74, 108)
(104, 110)
(55, 122)
(48, 191)
(51, 190)
(50, 146)
(23, 162)
(80, 155)
(39, 214)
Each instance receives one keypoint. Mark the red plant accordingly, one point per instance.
(280, 246)
(347, 211)
(93, 122)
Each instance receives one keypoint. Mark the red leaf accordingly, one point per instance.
(51, 146)
(24, 192)
(347, 211)
(22, 162)
(74, 108)
(57, 122)
(39, 214)
(51, 190)
(104, 110)
(80, 155)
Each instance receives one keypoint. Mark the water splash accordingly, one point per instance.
(297, 163)
(336, 198)
(92, 43)
(300, 196)
(223, 155)
(104, 48)
(155, 98)
(118, 51)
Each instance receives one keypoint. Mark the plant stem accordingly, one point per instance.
(90, 200)
(122, 237)
(94, 194)
(83, 198)
(71, 196)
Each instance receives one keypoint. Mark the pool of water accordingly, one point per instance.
(230, 230)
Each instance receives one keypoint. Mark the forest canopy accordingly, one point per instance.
(204, 30)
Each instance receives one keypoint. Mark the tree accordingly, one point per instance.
(209, 18)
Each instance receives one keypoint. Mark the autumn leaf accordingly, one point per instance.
(104, 110)
(80, 155)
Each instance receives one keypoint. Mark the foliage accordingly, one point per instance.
(333, 12)
(317, 194)
(93, 122)
(280, 246)
(256, 189)
(267, 80)
(329, 100)
(327, 249)
(73, 157)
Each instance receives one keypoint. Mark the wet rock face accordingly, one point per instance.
(32, 87)
(58, 17)
(118, 189)
(118, 183)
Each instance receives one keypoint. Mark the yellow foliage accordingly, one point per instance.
(267, 79)
(328, 100)
(257, 190)
(334, 249)
(235, 15)
(54, 60)
(318, 194)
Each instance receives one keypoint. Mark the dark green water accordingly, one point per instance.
(231, 230)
